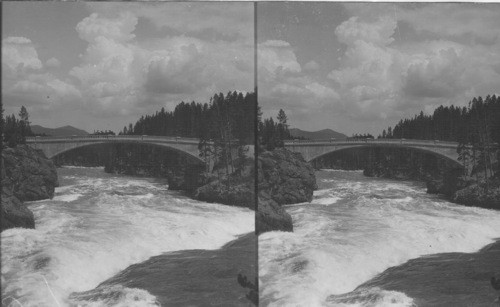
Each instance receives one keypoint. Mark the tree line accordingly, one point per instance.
(475, 127)
(202, 120)
(271, 133)
(16, 130)
(362, 136)
(224, 125)
(103, 132)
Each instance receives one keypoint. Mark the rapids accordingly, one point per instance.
(99, 224)
(356, 228)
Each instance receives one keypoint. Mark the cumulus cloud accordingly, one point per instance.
(377, 78)
(19, 53)
(388, 61)
(378, 32)
(231, 20)
(118, 29)
(274, 58)
(135, 58)
(368, 77)
(436, 76)
(120, 73)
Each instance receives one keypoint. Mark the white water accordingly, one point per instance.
(97, 225)
(354, 229)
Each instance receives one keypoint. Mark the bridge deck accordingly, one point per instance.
(100, 138)
(436, 143)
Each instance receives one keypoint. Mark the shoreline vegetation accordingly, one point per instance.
(476, 129)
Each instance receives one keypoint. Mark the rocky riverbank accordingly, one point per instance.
(469, 191)
(235, 189)
(284, 178)
(27, 175)
(441, 177)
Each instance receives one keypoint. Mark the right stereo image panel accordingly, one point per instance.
(378, 171)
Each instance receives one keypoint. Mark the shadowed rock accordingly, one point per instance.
(283, 178)
(26, 175)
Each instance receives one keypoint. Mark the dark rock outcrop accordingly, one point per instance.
(26, 175)
(446, 184)
(187, 178)
(235, 189)
(286, 177)
(467, 191)
(14, 212)
(271, 216)
(283, 178)
(485, 195)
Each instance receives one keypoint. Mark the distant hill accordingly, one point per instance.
(317, 135)
(61, 131)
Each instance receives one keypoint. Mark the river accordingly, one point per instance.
(377, 242)
(101, 227)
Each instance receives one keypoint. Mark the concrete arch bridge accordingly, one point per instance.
(311, 150)
(53, 146)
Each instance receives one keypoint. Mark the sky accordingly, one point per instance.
(100, 66)
(361, 67)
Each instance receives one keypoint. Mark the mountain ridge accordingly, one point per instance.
(317, 135)
(60, 131)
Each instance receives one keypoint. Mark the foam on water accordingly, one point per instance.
(372, 225)
(114, 222)
(68, 197)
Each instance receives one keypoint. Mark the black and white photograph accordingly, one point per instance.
(128, 154)
(392, 111)
(238, 153)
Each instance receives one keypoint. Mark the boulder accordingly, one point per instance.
(286, 177)
(234, 194)
(235, 189)
(434, 186)
(14, 212)
(271, 216)
(187, 178)
(283, 178)
(28, 173)
(479, 195)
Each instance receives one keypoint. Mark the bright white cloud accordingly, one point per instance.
(378, 32)
(119, 73)
(225, 18)
(19, 53)
(118, 29)
(275, 58)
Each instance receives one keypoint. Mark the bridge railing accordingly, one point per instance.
(372, 141)
(92, 137)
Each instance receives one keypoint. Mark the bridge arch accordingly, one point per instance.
(445, 157)
(55, 146)
(312, 150)
(161, 146)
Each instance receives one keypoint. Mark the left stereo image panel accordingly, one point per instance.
(128, 154)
